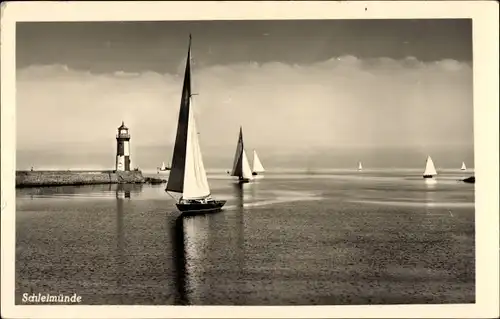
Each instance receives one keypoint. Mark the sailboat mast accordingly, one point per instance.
(188, 79)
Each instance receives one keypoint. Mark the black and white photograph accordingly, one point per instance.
(249, 162)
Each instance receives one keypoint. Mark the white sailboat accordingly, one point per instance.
(163, 167)
(360, 167)
(463, 168)
(430, 170)
(241, 166)
(187, 174)
(257, 165)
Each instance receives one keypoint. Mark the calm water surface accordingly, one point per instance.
(288, 239)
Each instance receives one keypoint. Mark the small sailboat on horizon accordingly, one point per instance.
(163, 167)
(360, 167)
(430, 169)
(187, 174)
(463, 168)
(258, 168)
(241, 166)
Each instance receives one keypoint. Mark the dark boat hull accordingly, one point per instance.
(201, 208)
(427, 176)
(254, 174)
(243, 180)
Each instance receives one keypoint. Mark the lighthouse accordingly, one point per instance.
(123, 149)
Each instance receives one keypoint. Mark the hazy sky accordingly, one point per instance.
(347, 89)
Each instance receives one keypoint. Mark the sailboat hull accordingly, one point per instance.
(428, 176)
(243, 180)
(201, 208)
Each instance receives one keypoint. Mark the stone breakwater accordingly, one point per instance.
(58, 178)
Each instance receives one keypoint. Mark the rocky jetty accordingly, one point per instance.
(152, 180)
(59, 178)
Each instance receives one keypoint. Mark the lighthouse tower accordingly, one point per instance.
(123, 149)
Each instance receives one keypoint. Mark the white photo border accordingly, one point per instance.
(486, 114)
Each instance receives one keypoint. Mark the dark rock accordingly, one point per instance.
(471, 180)
(152, 180)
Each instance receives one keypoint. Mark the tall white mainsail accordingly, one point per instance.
(195, 176)
(163, 166)
(188, 175)
(463, 168)
(246, 172)
(257, 165)
(360, 167)
(241, 165)
(430, 170)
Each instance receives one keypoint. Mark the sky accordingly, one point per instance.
(325, 93)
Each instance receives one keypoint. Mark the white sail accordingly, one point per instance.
(162, 166)
(463, 168)
(195, 176)
(360, 167)
(246, 172)
(430, 170)
(257, 165)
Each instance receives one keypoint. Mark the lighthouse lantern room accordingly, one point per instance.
(123, 149)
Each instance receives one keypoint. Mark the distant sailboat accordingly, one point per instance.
(360, 167)
(430, 170)
(187, 175)
(257, 165)
(463, 168)
(163, 167)
(241, 166)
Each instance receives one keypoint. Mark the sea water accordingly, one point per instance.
(291, 238)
